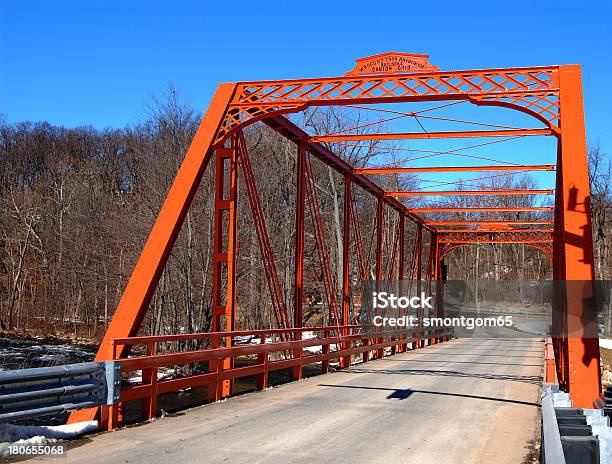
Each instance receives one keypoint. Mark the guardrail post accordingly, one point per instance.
(112, 372)
(113, 417)
(552, 447)
(114, 413)
(366, 353)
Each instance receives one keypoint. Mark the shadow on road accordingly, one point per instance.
(404, 393)
(534, 379)
(438, 360)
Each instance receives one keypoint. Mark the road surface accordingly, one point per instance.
(465, 401)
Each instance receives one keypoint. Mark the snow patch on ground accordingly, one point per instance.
(41, 435)
(605, 343)
(163, 373)
(316, 349)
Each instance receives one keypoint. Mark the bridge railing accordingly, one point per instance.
(273, 350)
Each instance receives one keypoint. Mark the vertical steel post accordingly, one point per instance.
(224, 257)
(400, 269)
(379, 259)
(232, 251)
(439, 283)
(419, 277)
(299, 239)
(583, 348)
(298, 302)
(346, 244)
(559, 338)
(434, 269)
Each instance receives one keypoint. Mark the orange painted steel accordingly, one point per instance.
(432, 135)
(494, 229)
(574, 244)
(410, 170)
(532, 90)
(492, 209)
(289, 130)
(550, 369)
(298, 302)
(551, 94)
(380, 215)
(141, 286)
(496, 223)
(224, 256)
(515, 236)
(437, 193)
(495, 240)
(400, 270)
(418, 275)
(545, 247)
(354, 342)
(345, 361)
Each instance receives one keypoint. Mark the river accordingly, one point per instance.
(22, 353)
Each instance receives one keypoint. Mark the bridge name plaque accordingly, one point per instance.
(391, 63)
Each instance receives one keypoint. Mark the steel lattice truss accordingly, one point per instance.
(532, 90)
(540, 239)
(511, 236)
(550, 94)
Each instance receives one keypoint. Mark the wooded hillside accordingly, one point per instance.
(76, 206)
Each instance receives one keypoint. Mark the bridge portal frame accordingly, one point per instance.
(550, 94)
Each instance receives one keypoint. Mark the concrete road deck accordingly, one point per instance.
(465, 401)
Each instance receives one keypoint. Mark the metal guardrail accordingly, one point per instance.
(552, 449)
(42, 391)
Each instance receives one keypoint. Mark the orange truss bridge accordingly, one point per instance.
(550, 95)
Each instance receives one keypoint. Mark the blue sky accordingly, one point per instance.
(97, 62)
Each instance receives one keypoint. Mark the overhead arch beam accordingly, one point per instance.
(496, 223)
(438, 193)
(432, 135)
(494, 209)
(490, 230)
(416, 170)
(497, 241)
